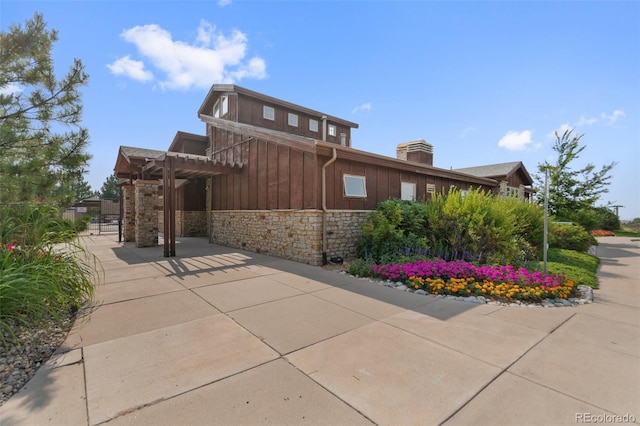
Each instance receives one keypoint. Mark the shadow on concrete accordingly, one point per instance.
(195, 256)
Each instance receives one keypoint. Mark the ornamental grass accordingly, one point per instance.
(45, 275)
(460, 278)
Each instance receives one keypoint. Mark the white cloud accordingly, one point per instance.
(10, 89)
(586, 121)
(466, 132)
(560, 130)
(212, 58)
(516, 141)
(364, 107)
(223, 3)
(128, 67)
(614, 116)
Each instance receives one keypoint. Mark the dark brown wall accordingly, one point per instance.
(250, 111)
(276, 176)
(517, 179)
(273, 177)
(191, 195)
(382, 184)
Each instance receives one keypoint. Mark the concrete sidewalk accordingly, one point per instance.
(218, 336)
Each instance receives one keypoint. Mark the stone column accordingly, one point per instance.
(503, 188)
(129, 213)
(146, 196)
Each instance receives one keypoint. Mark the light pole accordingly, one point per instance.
(545, 242)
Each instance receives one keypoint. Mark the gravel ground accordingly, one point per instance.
(19, 360)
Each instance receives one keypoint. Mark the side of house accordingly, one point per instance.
(278, 178)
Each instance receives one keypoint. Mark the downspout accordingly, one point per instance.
(333, 158)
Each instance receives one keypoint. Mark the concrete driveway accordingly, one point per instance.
(218, 336)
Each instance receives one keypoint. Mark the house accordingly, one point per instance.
(274, 177)
(514, 179)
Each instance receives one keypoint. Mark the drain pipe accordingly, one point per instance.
(333, 158)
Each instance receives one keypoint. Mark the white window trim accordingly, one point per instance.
(315, 123)
(360, 191)
(268, 112)
(292, 119)
(408, 191)
(221, 108)
(332, 130)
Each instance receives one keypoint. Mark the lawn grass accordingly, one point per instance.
(626, 233)
(578, 267)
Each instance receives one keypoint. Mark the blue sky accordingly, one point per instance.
(483, 82)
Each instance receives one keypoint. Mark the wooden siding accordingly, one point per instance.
(278, 176)
(274, 176)
(191, 195)
(516, 179)
(382, 183)
(250, 111)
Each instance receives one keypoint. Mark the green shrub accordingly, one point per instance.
(479, 223)
(359, 267)
(591, 218)
(390, 229)
(570, 236)
(474, 225)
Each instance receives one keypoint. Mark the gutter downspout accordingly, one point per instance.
(333, 158)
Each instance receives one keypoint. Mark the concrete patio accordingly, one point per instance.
(219, 336)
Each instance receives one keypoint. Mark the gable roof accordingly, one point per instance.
(500, 170)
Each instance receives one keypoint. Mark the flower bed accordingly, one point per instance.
(461, 278)
(602, 233)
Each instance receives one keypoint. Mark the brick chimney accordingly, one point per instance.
(418, 151)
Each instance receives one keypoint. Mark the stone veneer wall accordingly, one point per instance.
(129, 213)
(146, 198)
(290, 234)
(191, 223)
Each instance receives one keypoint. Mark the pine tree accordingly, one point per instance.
(110, 190)
(42, 142)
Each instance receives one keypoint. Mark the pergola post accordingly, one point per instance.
(169, 211)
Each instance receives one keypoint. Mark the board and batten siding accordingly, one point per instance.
(273, 176)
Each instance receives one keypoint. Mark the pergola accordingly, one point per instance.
(138, 163)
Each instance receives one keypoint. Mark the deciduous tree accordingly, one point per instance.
(572, 190)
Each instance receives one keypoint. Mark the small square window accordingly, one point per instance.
(332, 130)
(408, 191)
(292, 120)
(431, 188)
(268, 112)
(313, 125)
(355, 186)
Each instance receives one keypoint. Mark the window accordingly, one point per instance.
(431, 188)
(221, 107)
(355, 186)
(332, 130)
(513, 192)
(292, 119)
(268, 112)
(408, 191)
(313, 125)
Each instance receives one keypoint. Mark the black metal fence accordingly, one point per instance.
(101, 215)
